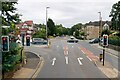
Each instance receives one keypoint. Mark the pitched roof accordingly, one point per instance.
(97, 23)
(30, 23)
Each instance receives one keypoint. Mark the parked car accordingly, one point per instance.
(39, 41)
(72, 40)
(95, 40)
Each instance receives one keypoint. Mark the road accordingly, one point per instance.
(96, 51)
(67, 60)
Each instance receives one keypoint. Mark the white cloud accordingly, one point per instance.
(66, 12)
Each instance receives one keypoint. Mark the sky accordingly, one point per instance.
(65, 12)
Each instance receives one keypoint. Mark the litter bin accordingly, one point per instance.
(101, 57)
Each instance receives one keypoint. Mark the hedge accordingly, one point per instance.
(114, 40)
(11, 58)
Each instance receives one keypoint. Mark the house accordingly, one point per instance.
(106, 25)
(92, 29)
(26, 28)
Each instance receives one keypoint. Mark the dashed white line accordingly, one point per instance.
(83, 52)
(79, 61)
(67, 52)
(66, 59)
(89, 58)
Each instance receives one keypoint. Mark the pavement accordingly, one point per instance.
(28, 70)
(109, 70)
(111, 51)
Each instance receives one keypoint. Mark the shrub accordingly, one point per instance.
(114, 40)
(11, 58)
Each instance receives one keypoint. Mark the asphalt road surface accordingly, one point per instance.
(67, 60)
(113, 60)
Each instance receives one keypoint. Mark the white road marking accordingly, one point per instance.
(80, 58)
(97, 57)
(66, 59)
(79, 61)
(54, 59)
(83, 52)
(67, 52)
(65, 48)
(89, 58)
(72, 46)
(57, 46)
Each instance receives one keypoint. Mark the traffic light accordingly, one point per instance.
(105, 40)
(27, 41)
(5, 43)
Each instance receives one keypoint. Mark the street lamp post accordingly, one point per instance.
(100, 24)
(46, 25)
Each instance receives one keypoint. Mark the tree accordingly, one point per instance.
(106, 31)
(115, 14)
(51, 27)
(9, 15)
(10, 18)
(60, 30)
(40, 34)
(75, 28)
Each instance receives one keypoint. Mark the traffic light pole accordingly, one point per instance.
(105, 43)
(103, 55)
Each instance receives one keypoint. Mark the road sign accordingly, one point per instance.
(5, 43)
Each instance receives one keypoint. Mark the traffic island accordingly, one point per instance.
(108, 70)
(28, 70)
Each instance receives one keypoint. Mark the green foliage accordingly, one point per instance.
(115, 14)
(11, 58)
(114, 40)
(42, 26)
(118, 34)
(51, 27)
(75, 27)
(5, 31)
(40, 34)
(82, 33)
(106, 31)
(77, 33)
(60, 30)
(7, 17)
